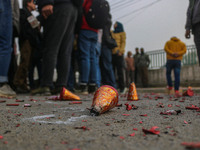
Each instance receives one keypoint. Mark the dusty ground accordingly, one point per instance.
(51, 125)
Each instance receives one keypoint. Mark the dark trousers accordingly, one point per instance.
(143, 73)
(196, 32)
(58, 40)
(176, 66)
(118, 68)
(129, 77)
(20, 79)
(107, 73)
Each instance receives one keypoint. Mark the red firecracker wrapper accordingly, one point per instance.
(67, 95)
(151, 131)
(12, 104)
(191, 144)
(2, 101)
(189, 92)
(105, 98)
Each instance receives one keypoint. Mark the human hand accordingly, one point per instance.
(187, 34)
(175, 54)
(47, 11)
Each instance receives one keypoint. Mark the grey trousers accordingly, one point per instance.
(196, 32)
(58, 41)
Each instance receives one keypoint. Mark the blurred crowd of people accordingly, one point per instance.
(65, 36)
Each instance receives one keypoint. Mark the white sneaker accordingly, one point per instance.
(7, 91)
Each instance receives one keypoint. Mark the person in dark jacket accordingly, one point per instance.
(60, 18)
(29, 33)
(108, 43)
(193, 23)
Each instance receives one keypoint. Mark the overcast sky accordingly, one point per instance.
(150, 23)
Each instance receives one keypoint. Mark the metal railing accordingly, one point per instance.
(158, 58)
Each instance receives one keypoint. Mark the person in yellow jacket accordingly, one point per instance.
(175, 50)
(118, 54)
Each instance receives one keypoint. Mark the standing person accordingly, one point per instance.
(193, 23)
(108, 43)
(28, 43)
(118, 54)
(60, 18)
(130, 67)
(5, 47)
(136, 58)
(175, 50)
(143, 64)
(87, 43)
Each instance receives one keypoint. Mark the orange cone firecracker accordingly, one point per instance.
(132, 94)
(105, 98)
(67, 95)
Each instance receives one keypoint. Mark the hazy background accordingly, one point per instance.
(150, 23)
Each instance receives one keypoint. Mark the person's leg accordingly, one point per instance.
(5, 47)
(55, 29)
(98, 53)
(5, 39)
(108, 76)
(127, 78)
(177, 71)
(168, 73)
(22, 70)
(145, 72)
(196, 32)
(120, 73)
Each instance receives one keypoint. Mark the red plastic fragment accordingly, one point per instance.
(191, 144)
(151, 131)
(133, 134)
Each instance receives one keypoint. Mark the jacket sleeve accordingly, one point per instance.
(42, 3)
(188, 25)
(123, 42)
(183, 50)
(167, 49)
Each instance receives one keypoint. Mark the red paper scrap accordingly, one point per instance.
(181, 101)
(144, 115)
(84, 120)
(133, 134)
(185, 122)
(151, 131)
(83, 127)
(2, 101)
(128, 107)
(19, 100)
(121, 137)
(191, 144)
(5, 142)
(1, 137)
(75, 103)
(12, 104)
(193, 107)
(140, 122)
(170, 105)
(135, 129)
(64, 142)
(126, 114)
(17, 125)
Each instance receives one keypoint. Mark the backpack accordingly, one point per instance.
(98, 13)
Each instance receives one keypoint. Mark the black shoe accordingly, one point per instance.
(56, 90)
(92, 88)
(84, 89)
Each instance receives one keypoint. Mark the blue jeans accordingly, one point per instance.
(87, 46)
(98, 50)
(5, 38)
(108, 77)
(176, 66)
